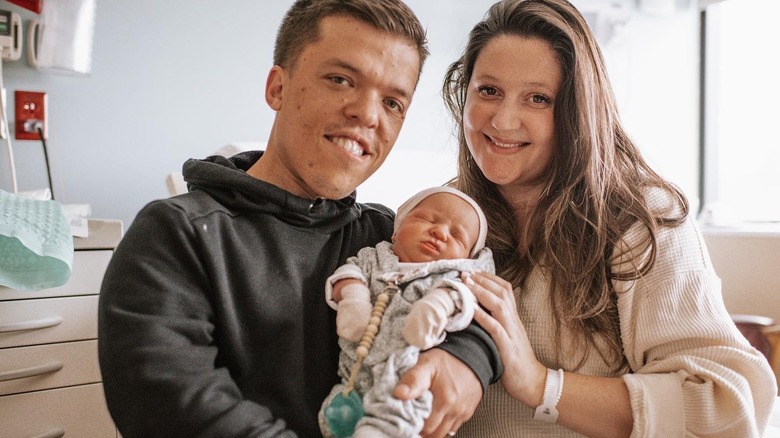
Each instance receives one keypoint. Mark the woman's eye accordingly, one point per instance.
(487, 91)
(540, 98)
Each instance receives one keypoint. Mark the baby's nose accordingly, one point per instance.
(439, 233)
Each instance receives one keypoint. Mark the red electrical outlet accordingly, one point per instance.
(30, 115)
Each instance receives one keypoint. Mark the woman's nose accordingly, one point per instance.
(507, 116)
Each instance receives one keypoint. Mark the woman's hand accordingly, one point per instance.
(524, 375)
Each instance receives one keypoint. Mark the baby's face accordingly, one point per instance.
(442, 226)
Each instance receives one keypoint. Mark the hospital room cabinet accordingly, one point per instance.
(50, 384)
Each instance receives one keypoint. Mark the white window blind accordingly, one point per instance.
(742, 112)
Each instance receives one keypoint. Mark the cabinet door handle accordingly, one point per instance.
(35, 324)
(54, 433)
(51, 367)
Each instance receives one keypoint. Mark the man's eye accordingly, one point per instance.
(394, 105)
(338, 79)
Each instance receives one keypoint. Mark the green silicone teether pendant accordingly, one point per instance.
(346, 408)
(343, 414)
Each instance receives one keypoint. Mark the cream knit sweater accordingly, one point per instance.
(692, 372)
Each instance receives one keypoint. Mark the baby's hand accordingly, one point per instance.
(354, 311)
(425, 323)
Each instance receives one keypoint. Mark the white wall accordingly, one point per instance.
(748, 264)
(174, 80)
(169, 81)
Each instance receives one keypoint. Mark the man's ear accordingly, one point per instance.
(274, 86)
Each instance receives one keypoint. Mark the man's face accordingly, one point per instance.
(339, 109)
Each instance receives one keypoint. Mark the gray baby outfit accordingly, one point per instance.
(390, 356)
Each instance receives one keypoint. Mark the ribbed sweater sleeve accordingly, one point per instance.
(694, 373)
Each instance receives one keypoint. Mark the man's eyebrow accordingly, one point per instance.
(342, 64)
(347, 66)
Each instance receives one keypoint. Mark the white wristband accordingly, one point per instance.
(553, 387)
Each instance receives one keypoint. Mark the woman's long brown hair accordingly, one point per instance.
(597, 181)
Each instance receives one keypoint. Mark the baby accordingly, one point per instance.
(439, 233)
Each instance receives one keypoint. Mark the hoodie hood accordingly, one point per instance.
(226, 180)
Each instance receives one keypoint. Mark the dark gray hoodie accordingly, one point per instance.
(212, 316)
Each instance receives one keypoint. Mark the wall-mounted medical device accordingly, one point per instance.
(33, 5)
(10, 35)
(61, 40)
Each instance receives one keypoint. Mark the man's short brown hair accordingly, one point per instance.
(300, 26)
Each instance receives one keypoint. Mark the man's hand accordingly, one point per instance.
(456, 390)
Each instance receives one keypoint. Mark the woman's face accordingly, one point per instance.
(508, 116)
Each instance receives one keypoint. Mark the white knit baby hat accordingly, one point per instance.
(410, 203)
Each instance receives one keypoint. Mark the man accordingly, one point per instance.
(211, 319)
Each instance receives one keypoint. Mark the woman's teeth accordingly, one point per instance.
(507, 145)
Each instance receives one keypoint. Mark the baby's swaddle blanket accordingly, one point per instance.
(36, 245)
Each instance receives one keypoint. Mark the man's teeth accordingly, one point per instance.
(349, 145)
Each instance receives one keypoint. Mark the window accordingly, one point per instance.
(741, 112)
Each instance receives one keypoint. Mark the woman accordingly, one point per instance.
(606, 309)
